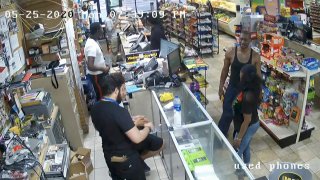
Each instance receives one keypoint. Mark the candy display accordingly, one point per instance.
(310, 63)
(278, 100)
(271, 45)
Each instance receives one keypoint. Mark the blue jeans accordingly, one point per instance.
(244, 149)
(227, 114)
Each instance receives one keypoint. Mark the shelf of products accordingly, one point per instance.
(224, 5)
(288, 92)
(197, 28)
(199, 83)
(315, 16)
(226, 14)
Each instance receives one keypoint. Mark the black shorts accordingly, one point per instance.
(151, 143)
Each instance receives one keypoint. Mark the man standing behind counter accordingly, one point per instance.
(157, 33)
(96, 65)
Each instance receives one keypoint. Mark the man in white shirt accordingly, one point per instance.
(96, 65)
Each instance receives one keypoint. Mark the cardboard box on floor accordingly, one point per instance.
(81, 158)
(77, 171)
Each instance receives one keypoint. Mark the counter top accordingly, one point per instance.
(197, 133)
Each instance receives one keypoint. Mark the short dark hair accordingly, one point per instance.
(153, 20)
(250, 79)
(94, 28)
(109, 83)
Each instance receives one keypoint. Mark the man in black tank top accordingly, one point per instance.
(236, 58)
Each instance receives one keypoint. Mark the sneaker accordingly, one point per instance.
(146, 167)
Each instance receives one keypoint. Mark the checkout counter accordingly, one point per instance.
(134, 40)
(198, 131)
(197, 142)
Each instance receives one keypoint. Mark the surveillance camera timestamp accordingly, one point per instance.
(141, 14)
(39, 14)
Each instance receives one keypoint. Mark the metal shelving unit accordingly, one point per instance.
(198, 29)
(204, 39)
(315, 16)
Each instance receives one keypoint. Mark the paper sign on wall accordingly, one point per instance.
(15, 63)
(14, 41)
(3, 24)
(7, 49)
(22, 57)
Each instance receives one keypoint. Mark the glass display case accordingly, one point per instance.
(190, 113)
(197, 149)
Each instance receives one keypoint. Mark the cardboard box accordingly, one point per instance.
(77, 171)
(83, 155)
(45, 49)
(49, 57)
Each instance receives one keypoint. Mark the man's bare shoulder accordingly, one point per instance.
(230, 51)
(256, 56)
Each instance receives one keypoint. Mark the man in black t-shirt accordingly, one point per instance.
(124, 145)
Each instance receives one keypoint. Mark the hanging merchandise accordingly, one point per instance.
(290, 98)
(278, 101)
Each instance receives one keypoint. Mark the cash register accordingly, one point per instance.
(139, 45)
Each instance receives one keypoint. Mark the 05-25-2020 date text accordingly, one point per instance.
(36, 14)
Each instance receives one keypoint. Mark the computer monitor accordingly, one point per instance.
(166, 47)
(136, 44)
(140, 38)
(174, 61)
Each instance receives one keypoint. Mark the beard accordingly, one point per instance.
(119, 98)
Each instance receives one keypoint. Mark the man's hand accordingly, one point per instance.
(139, 120)
(149, 125)
(106, 69)
(225, 70)
(221, 92)
(236, 143)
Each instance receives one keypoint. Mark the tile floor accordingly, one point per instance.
(264, 150)
(100, 172)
